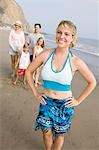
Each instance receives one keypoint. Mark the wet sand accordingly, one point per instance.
(18, 109)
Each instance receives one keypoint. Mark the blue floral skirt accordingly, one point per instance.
(55, 116)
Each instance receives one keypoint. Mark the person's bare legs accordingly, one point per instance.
(17, 77)
(48, 139)
(24, 79)
(37, 77)
(58, 142)
(13, 65)
(16, 60)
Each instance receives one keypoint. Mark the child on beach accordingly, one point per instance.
(23, 62)
(37, 50)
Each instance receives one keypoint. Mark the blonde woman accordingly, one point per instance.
(16, 42)
(57, 101)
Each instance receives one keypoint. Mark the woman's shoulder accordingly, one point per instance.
(78, 62)
(77, 59)
(73, 56)
(22, 32)
(49, 50)
(46, 53)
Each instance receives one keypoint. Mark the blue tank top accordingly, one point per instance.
(57, 80)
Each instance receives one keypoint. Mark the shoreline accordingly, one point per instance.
(86, 51)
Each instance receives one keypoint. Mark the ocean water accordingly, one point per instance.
(85, 45)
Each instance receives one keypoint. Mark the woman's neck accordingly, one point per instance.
(63, 51)
(17, 31)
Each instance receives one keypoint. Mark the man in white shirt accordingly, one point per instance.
(33, 37)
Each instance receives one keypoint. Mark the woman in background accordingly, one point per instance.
(57, 101)
(16, 42)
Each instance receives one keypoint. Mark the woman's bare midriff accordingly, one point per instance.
(57, 94)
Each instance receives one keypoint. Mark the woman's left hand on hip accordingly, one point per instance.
(71, 102)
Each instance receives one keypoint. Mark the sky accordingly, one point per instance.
(84, 14)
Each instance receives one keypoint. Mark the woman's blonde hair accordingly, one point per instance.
(72, 28)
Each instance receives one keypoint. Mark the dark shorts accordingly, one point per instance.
(55, 116)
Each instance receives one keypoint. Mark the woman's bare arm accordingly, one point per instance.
(88, 76)
(37, 62)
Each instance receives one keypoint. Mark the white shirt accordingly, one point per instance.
(24, 60)
(37, 50)
(16, 40)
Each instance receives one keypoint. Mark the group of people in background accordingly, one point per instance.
(23, 50)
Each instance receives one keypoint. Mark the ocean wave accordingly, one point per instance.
(87, 49)
(85, 45)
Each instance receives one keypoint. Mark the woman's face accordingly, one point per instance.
(63, 36)
(17, 27)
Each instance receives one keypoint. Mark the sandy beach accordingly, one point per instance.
(18, 109)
